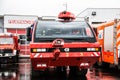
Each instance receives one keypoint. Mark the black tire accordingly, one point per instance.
(97, 64)
(105, 65)
(118, 67)
(83, 72)
(34, 73)
(17, 56)
(74, 70)
(60, 70)
(16, 59)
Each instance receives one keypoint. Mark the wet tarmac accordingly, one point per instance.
(21, 71)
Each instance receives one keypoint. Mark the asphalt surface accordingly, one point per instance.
(22, 71)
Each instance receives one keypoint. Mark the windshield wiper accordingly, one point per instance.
(43, 39)
(81, 39)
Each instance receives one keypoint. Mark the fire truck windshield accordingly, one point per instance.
(6, 40)
(65, 30)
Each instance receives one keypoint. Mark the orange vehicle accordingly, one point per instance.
(9, 48)
(109, 37)
(63, 44)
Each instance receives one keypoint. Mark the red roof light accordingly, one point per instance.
(66, 15)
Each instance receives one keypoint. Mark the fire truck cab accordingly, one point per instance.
(63, 43)
(9, 48)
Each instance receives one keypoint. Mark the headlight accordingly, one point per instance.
(38, 50)
(93, 49)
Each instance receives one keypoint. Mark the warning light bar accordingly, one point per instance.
(66, 15)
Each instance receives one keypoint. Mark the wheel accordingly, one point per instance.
(75, 70)
(83, 72)
(34, 73)
(118, 67)
(60, 69)
(16, 59)
(98, 64)
(106, 65)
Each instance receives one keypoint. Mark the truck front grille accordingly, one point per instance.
(6, 50)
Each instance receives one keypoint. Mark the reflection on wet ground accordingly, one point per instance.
(8, 72)
(21, 71)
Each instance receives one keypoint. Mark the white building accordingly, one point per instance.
(1, 24)
(17, 24)
(99, 15)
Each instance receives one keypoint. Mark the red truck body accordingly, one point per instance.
(9, 48)
(58, 44)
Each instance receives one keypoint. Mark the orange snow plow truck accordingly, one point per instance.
(64, 43)
(108, 34)
(9, 49)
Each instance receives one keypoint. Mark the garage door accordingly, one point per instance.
(18, 31)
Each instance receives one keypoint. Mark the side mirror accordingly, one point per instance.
(95, 30)
(18, 40)
(28, 33)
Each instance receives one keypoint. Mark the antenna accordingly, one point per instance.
(65, 5)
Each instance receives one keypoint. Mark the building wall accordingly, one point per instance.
(1, 24)
(17, 24)
(101, 14)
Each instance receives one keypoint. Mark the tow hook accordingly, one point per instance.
(56, 54)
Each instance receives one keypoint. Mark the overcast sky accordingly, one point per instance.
(52, 7)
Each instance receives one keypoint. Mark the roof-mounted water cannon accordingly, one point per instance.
(67, 16)
(58, 43)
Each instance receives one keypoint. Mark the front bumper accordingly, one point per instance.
(81, 59)
(8, 59)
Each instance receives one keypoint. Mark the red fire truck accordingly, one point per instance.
(9, 48)
(63, 43)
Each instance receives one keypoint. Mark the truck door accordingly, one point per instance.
(108, 55)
